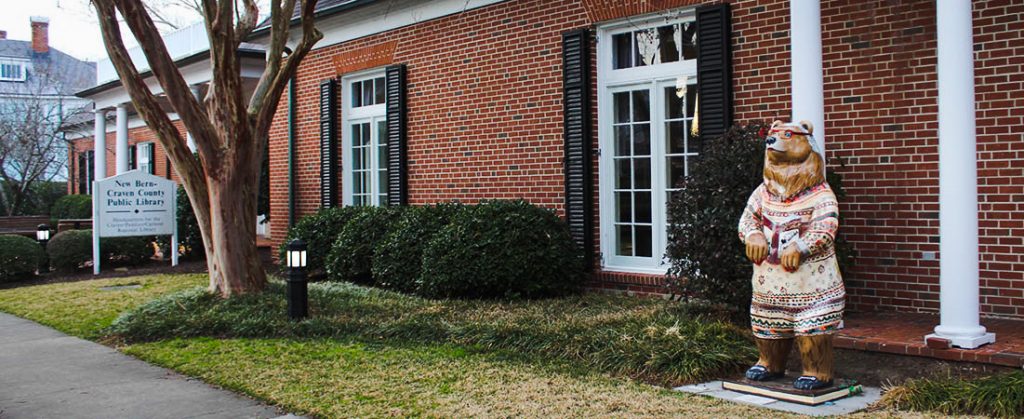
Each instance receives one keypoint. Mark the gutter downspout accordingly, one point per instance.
(291, 152)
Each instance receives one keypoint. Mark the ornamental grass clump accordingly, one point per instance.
(997, 396)
(658, 342)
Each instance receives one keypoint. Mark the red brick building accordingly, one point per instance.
(587, 106)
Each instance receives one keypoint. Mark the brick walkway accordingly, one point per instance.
(903, 334)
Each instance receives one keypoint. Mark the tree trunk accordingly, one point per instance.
(232, 256)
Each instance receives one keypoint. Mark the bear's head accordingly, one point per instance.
(791, 162)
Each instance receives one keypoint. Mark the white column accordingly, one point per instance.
(958, 180)
(806, 71)
(100, 145)
(188, 135)
(121, 150)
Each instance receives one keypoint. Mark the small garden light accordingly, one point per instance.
(298, 292)
(43, 236)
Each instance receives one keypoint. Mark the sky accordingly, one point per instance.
(73, 26)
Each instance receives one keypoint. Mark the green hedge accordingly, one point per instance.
(319, 231)
(19, 257)
(351, 253)
(72, 207)
(398, 257)
(508, 249)
(70, 250)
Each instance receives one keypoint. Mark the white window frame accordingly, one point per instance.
(609, 81)
(362, 114)
(21, 64)
(142, 153)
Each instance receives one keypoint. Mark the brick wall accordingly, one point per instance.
(135, 135)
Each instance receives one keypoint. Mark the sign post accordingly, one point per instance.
(134, 204)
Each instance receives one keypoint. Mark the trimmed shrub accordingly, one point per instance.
(70, 249)
(319, 231)
(126, 251)
(398, 258)
(351, 253)
(19, 257)
(505, 249)
(707, 257)
(190, 237)
(72, 207)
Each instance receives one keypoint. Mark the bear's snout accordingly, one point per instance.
(769, 141)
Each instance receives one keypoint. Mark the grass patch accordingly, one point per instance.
(646, 339)
(82, 308)
(329, 378)
(998, 396)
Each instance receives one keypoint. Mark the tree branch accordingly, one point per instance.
(264, 101)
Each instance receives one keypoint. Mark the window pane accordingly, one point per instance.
(689, 40)
(622, 140)
(691, 99)
(674, 103)
(624, 240)
(641, 105)
(676, 141)
(621, 106)
(642, 173)
(367, 92)
(357, 159)
(624, 204)
(644, 241)
(676, 169)
(646, 47)
(622, 50)
(692, 143)
(357, 95)
(642, 139)
(668, 48)
(366, 134)
(379, 90)
(357, 183)
(357, 134)
(382, 181)
(642, 202)
(623, 174)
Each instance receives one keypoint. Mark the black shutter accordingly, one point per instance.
(83, 175)
(133, 162)
(714, 69)
(152, 158)
(328, 142)
(578, 141)
(398, 189)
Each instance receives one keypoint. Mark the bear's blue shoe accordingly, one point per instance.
(810, 383)
(760, 373)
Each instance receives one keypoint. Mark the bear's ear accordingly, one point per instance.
(807, 126)
(776, 124)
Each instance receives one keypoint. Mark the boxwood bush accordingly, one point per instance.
(70, 250)
(707, 257)
(72, 207)
(502, 249)
(398, 258)
(126, 251)
(351, 253)
(319, 231)
(190, 237)
(19, 257)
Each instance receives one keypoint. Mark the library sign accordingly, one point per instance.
(134, 204)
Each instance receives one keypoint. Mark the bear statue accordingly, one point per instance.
(789, 228)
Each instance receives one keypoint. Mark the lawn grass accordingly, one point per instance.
(997, 396)
(82, 308)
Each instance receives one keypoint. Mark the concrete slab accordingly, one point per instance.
(47, 374)
(839, 407)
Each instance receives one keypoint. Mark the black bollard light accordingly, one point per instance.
(298, 292)
(43, 236)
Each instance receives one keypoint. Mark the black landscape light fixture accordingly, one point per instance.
(298, 292)
(43, 236)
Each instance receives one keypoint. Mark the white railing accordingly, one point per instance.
(180, 43)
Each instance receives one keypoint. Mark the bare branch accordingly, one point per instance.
(265, 99)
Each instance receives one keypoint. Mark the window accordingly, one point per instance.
(86, 172)
(364, 140)
(133, 160)
(144, 157)
(646, 104)
(13, 70)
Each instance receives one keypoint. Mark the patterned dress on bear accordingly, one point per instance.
(810, 300)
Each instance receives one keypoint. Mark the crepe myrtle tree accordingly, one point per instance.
(230, 133)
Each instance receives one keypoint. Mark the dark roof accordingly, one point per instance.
(61, 73)
(323, 8)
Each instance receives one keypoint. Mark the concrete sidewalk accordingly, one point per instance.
(47, 374)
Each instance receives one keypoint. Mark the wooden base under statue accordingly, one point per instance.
(782, 389)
